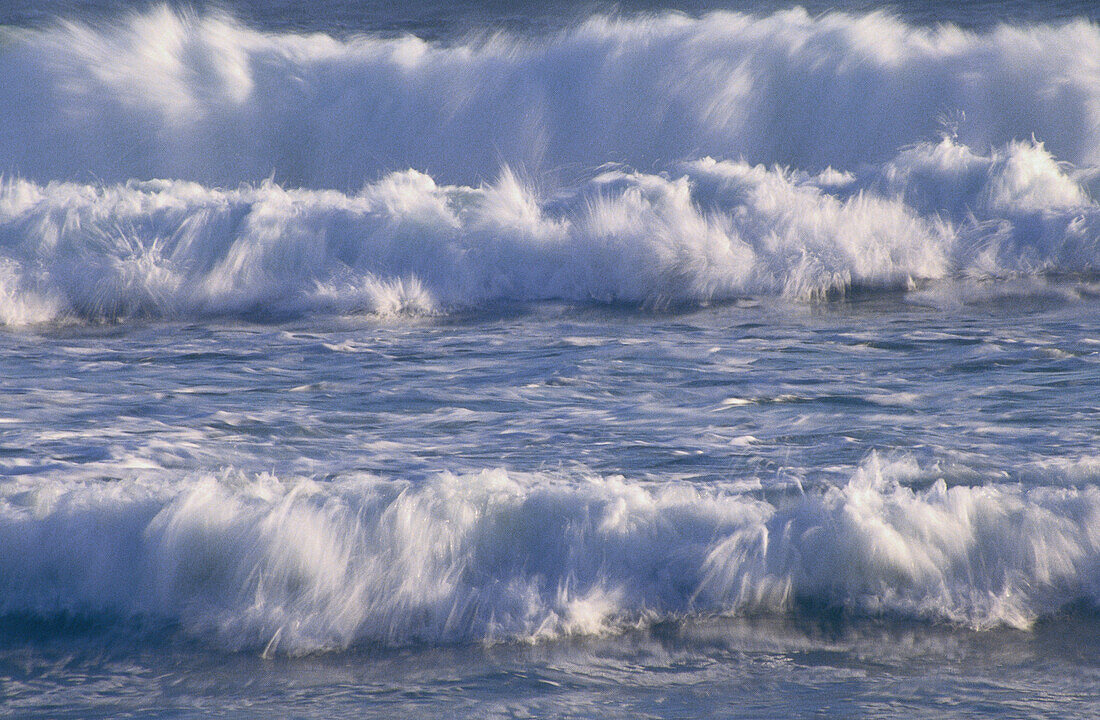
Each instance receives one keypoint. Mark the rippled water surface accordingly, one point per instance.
(173, 436)
(755, 391)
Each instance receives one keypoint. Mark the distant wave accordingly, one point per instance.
(301, 566)
(652, 160)
(202, 97)
(703, 231)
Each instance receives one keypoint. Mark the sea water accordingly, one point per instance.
(553, 360)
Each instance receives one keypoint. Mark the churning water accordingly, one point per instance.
(477, 360)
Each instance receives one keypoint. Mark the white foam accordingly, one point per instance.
(298, 566)
(19, 306)
(709, 230)
(693, 114)
(204, 97)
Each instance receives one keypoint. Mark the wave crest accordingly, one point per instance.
(299, 566)
(203, 97)
(706, 230)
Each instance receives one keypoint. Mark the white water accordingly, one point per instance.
(300, 566)
(487, 496)
(864, 195)
(203, 97)
(705, 231)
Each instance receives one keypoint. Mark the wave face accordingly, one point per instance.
(654, 160)
(707, 231)
(204, 98)
(303, 566)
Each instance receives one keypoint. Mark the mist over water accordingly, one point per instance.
(473, 361)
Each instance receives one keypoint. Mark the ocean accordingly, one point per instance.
(556, 360)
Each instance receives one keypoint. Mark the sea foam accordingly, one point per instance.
(299, 566)
(703, 231)
(648, 160)
(204, 97)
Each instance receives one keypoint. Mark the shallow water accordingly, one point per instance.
(714, 669)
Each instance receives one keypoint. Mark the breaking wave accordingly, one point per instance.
(705, 231)
(202, 97)
(651, 160)
(300, 566)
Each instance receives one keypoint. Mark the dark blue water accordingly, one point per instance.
(446, 20)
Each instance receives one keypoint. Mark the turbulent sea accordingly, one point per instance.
(552, 360)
